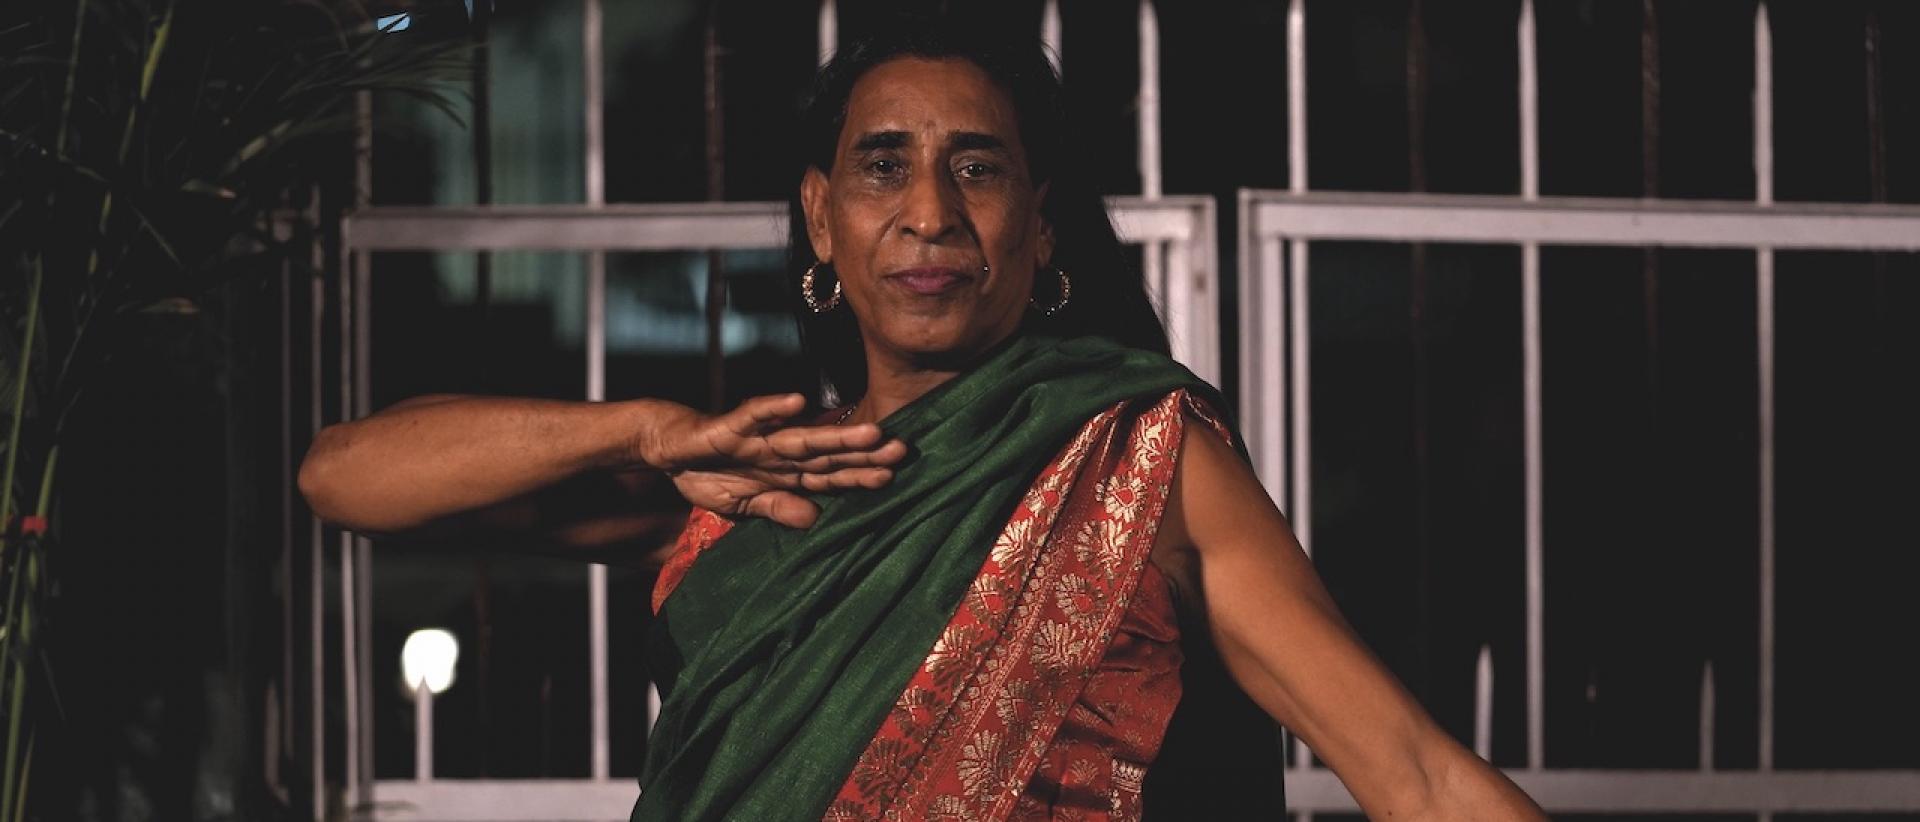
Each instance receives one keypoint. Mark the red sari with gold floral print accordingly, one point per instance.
(1048, 693)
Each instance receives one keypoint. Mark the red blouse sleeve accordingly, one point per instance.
(703, 527)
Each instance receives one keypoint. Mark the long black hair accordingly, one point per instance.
(1108, 298)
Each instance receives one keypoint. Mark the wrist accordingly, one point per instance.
(637, 433)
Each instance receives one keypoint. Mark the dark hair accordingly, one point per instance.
(1108, 298)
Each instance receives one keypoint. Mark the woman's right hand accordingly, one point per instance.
(750, 462)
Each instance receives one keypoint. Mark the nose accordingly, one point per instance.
(931, 210)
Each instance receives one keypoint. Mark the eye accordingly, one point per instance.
(975, 170)
(883, 167)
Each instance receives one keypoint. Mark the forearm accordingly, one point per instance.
(427, 459)
(1285, 643)
(1462, 786)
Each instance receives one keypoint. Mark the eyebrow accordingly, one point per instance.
(880, 139)
(974, 140)
(961, 140)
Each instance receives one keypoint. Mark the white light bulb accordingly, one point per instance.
(428, 656)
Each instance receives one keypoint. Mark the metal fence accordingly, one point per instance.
(1178, 235)
(1275, 231)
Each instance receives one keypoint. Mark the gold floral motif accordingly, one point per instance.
(846, 810)
(951, 808)
(951, 654)
(1074, 595)
(1056, 647)
(1012, 540)
(1124, 791)
(979, 761)
(1010, 707)
(875, 770)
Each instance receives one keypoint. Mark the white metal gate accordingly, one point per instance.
(1276, 404)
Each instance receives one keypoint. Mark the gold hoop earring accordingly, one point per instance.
(806, 291)
(1066, 293)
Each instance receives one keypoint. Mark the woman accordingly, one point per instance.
(983, 611)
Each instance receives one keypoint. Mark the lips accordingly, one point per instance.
(929, 280)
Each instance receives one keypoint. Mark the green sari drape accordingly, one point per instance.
(781, 652)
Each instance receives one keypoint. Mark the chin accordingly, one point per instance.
(941, 342)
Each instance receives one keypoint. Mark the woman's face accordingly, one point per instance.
(928, 215)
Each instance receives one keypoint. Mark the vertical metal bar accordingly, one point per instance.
(1764, 323)
(357, 396)
(1300, 439)
(362, 546)
(1530, 379)
(1203, 250)
(348, 634)
(422, 732)
(1297, 96)
(1179, 297)
(316, 539)
(829, 28)
(1762, 105)
(1299, 393)
(1535, 530)
(1150, 182)
(1160, 285)
(287, 490)
(593, 84)
(1483, 704)
(1706, 716)
(1050, 34)
(1297, 279)
(350, 671)
(596, 344)
(1529, 104)
(597, 637)
(1260, 408)
(1271, 375)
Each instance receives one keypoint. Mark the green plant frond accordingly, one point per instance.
(203, 188)
(254, 147)
(161, 34)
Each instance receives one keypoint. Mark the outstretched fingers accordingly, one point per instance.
(795, 446)
(888, 453)
(846, 479)
(759, 415)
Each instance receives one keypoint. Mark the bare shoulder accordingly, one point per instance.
(1214, 498)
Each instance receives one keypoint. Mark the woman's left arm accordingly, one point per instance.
(1287, 646)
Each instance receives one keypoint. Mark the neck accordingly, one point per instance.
(891, 386)
(895, 380)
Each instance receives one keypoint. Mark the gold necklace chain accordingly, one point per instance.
(847, 414)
